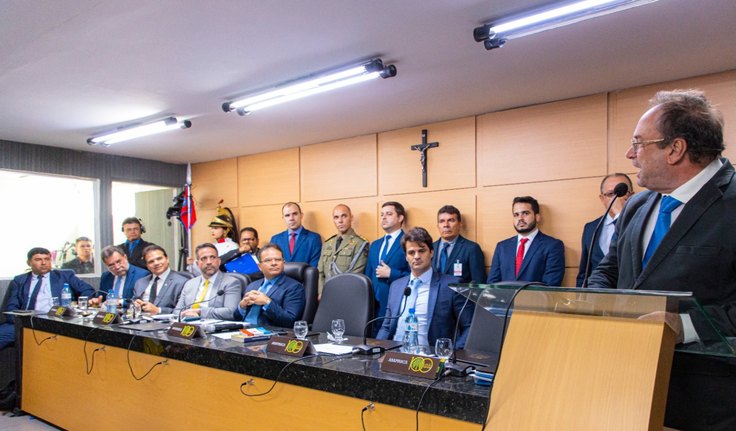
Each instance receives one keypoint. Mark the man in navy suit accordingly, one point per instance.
(530, 255)
(120, 276)
(436, 307)
(678, 235)
(456, 255)
(34, 290)
(602, 240)
(159, 291)
(277, 299)
(298, 243)
(386, 260)
(134, 244)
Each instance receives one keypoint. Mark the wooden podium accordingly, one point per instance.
(581, 359)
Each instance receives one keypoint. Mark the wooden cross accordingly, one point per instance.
(422, 148)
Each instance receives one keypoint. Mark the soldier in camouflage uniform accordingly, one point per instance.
(345, 252)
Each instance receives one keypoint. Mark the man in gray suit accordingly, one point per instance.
(158, 292)
(679, 235)
(212, 295)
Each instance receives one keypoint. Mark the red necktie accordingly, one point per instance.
(292, 241)
(520, 254)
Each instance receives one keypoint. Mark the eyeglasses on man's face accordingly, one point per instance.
(636, 145)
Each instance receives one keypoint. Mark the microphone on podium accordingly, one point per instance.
(620, 190)
(365, 349)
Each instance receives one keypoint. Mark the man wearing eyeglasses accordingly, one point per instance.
(679, 235)
(602, 239)
(277, 300)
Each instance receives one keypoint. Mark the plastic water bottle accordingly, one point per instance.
(411, 335)
(112, 302)
(66, 296)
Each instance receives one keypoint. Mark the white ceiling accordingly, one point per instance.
(69, 69)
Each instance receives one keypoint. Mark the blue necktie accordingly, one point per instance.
(411, 302)
(386, 239)
(443, 256)
(255, 310)
(116, 288)
(664, 220)
(32, 298)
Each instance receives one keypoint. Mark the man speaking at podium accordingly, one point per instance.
(680, 236)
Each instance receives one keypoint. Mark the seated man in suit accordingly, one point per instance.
(277, 299)
(456, 255)
(602, 240)
(212, 295)
(158, 292)
(34, 290)
(120, 276)
(84, 263)
(134, 244)
(298, 243)
(386, 261)
(436, 307)
(530, 255)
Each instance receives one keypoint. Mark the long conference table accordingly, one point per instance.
(203, 382)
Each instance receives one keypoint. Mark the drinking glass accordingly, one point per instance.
(301, 329)
(54, 301)
(338, 329)
(83, 305)
(443, 348)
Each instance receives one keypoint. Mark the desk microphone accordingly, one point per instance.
(451, 366)
(365, 349)
(219, 293)
(620, 190)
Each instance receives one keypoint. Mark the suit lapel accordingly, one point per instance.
(300, 240)
(395, 247)
(434, 288)
(691, 213)
(455, 252)
(161, 290)
(529, 256)
(55, 284)
(635, 251)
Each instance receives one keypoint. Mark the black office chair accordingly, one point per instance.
(308, 276)
(186, 274)
(348, 297)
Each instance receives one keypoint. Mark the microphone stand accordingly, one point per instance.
(452, 368)
(620, 190)
(219, 293)
(366, 349)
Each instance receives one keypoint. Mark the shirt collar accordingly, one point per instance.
(425, 277)
(686, 191)
(450, 243)
(298, 231)
(394, 234)
(530, 236)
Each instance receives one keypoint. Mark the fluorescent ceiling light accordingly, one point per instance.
(136, 131)
(495, 34)
(308, 86)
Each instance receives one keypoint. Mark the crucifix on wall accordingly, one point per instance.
(422, 148)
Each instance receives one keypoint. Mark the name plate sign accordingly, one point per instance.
(186, 331)
(411, 365)
(107, 318)
(61, 311)
(289, 346)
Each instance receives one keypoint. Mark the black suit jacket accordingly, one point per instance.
(698, 254)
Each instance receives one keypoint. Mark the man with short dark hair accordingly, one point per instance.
(134, 244)
(602, 239)
(436, 307)
(277, 299)
(344, 252)
(679, 235)
(120, 276)
(244, 260)
(158, 292)
(212, 295)
(530, 255)
(84, 263)
(35, 290)
(386, 261)
(297, 242)
(456, 255)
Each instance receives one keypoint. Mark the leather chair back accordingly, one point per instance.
(348, 297)
(308, 276)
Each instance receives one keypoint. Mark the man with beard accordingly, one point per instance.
(84, 263)
(530, 255)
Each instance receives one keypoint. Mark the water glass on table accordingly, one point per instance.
(443, 348)
(301, 329)
(338, 329)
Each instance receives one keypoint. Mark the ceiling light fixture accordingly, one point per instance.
(495, 34)
(137, 130)
(310, 85)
